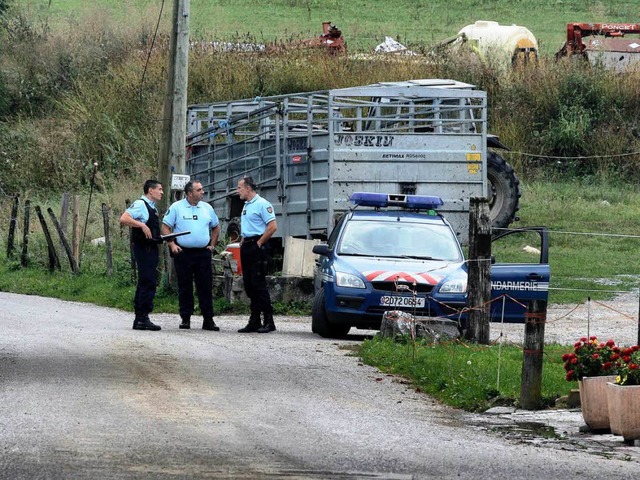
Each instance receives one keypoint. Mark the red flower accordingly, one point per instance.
(591, 358)
(629, 371)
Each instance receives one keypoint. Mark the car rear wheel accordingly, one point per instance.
(320, 323)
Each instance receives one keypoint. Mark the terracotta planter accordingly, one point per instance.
(593, 401)
(624, 410)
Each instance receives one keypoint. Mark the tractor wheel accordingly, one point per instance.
(319, 321)
(504, 191)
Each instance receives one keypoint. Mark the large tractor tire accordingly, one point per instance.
(504, 191)
(319, 321)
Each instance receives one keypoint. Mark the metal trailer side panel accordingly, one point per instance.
(308, 152)
(393, 156)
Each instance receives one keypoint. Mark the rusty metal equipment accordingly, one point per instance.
(606, 44)
(331, 39)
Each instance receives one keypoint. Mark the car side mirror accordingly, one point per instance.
(321, 249)
(493, 259)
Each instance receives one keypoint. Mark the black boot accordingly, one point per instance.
(209, 324)
(186, 322)
(142, 322)
(269, 325)
(253, 325)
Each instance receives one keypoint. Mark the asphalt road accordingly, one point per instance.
(82, 395)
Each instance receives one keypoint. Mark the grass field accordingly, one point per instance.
(364, 23)
(580, 216)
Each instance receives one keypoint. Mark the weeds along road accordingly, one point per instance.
(82, 395)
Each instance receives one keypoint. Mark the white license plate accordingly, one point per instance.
(398, 301)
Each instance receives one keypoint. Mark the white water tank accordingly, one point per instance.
(506, 43)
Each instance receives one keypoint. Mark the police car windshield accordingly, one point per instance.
(399, 240)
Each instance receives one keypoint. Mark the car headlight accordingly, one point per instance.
(348, 280)
(454, 286)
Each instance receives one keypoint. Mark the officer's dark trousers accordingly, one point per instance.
(254, 269)
(194, 264)
(147, 262)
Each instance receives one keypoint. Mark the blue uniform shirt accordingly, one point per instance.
(138, 211)
(256, 214)
(198, 219)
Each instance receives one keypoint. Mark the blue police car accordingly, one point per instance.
(396, 252)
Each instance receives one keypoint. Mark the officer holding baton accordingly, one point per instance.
(192, 252)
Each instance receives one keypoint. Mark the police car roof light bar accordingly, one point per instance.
(369, 199)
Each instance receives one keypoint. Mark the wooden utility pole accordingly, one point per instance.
(479, 276)
(174, 124)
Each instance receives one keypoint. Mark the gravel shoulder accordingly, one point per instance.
(616, 319)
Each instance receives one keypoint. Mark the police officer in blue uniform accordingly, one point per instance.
(142, 217)
(192, 252)
(258, 224)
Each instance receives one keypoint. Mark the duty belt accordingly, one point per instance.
(251, 239)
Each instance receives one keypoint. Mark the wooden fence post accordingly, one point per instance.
(76, 228)
(531, 384)
(479, 275)
(12, 227)
(127, 202)
(107, 238)
(24, 258)
(132, 258)
(638, 339)
(54, 263)
(65, 243)
(64, 212)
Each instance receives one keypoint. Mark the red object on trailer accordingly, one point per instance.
(608, 41)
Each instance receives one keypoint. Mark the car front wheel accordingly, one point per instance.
(320, 323)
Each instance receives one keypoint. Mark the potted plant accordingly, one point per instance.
(593, 364)
(623, 395)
